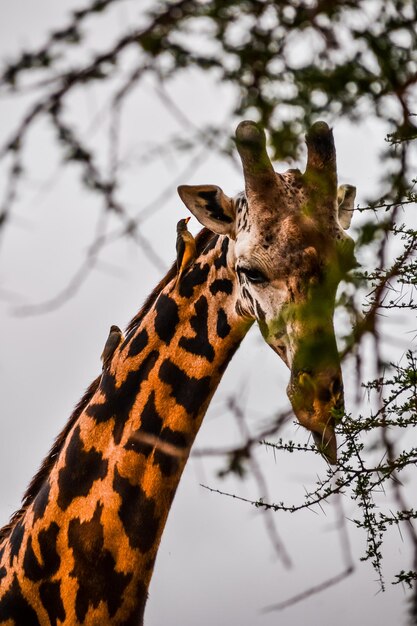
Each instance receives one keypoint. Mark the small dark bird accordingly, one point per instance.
(186, 250)
(113, 340)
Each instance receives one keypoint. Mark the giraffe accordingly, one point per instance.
(82, 548)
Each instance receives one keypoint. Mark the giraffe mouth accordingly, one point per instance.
(323, 432)
(317, 402)
(327, 444)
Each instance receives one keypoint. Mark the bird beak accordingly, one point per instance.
(187, 219)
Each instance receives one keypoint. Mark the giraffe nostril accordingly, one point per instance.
(336, 387)
(325, 395)
(332, 392)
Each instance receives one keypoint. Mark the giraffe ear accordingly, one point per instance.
(346, 201)
(210, 206)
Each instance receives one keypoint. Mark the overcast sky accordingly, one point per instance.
(216, 564)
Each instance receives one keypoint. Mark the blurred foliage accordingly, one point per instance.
(290, 63)
(377, 454)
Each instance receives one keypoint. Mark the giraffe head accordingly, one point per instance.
(290, 252)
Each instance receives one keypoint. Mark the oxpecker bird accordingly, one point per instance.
(186, 250)
(113, 340)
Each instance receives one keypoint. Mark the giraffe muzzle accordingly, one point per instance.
(317, 401)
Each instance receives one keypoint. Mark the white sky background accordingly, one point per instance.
(216, 564)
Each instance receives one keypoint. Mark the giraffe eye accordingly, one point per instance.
(252, 274)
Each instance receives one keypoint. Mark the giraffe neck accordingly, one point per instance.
(84, 550)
